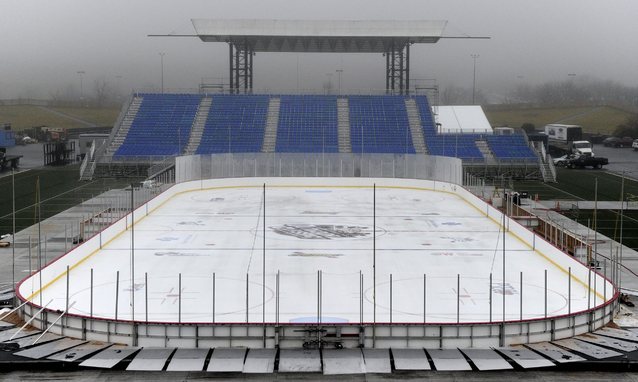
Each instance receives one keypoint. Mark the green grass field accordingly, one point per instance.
(596, 119)
(25, 116)
(599, 119)
(580, 185)
(608, 223)
(60, 189)
(100, 117)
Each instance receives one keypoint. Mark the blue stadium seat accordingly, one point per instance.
(307, 124)
(379, 124)
(235, 124)
(427, 119)
(511, 147)
(161, 127)
(454, 145)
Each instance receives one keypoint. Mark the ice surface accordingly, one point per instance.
(219, 231)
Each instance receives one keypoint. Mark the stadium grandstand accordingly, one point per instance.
(155, 128)
(339, 231)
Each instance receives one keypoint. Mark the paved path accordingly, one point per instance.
(68, 116)
(589, 205)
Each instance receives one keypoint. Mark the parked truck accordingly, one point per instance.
(580, 161)
(567, 139)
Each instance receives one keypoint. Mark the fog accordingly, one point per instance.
(44, 44)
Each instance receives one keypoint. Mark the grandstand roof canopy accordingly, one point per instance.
(341, 36)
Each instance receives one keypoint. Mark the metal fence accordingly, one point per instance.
(408, 166)
(48, 239)
(326, 297)
(494, 327)
(111, 321)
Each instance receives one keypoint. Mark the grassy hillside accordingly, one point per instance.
(25, 116)
(100, 117)
(596, 119)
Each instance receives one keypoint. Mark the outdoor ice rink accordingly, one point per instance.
(439, 250)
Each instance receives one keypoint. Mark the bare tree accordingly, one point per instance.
(65, 96)
(103, 92)
(454, 95)
(327, 87)
(585, 91)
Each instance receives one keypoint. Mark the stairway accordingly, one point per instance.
(125, 126)
(199, 123)
(548, 170)
(343, 124)
(414, 119)
(272, 121)
(484, 148)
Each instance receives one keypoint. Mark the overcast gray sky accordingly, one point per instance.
(43, 43)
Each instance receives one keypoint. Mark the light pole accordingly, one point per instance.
(474, 57)
(161, 54)
(339, 73)
(81, 74)
(329, 83)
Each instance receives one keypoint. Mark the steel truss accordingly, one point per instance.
(397, 68)
(241, 67)
(397, 79)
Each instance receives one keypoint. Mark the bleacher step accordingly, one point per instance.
(125, 126)
(484, 148)
(414, 120)
(272, 122)
(154, 126)
(343, 123)
(199, 123)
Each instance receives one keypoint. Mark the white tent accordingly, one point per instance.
(462, 119)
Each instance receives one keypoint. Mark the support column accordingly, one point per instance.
(407, 69)
(231, 54)
(387, 72)
(398, 68)
(401, 70)
(251, 53)
(393, 72)
(241, 67)
(237, 76)
(245, 66)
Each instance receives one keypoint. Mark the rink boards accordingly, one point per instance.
(309, 250)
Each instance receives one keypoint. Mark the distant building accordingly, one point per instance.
(87, 139)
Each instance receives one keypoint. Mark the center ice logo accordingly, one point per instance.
(322, 231)
(509, 289)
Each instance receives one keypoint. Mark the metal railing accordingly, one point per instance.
(446, 324)
(550, 163)
(324, 335)
(410, 166)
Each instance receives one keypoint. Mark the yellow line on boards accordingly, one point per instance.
(137, 220)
